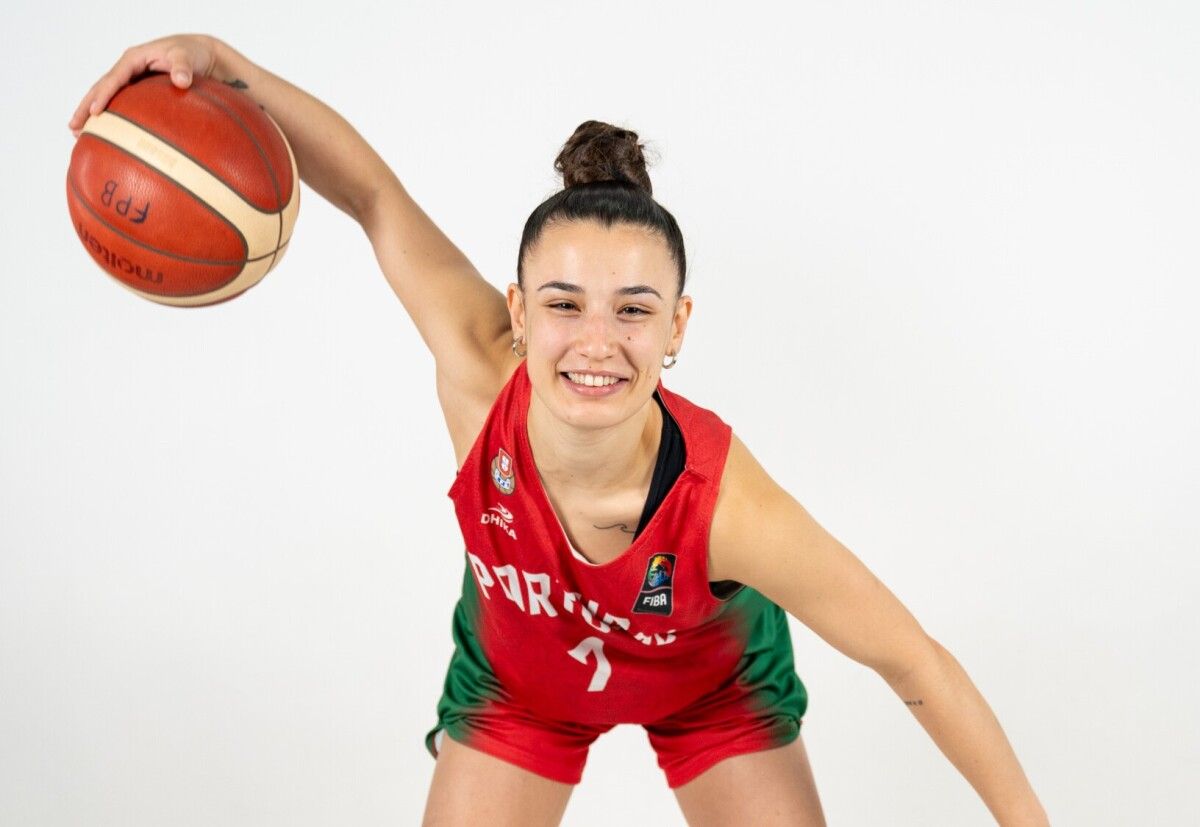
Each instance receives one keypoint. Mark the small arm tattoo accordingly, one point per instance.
(236, 84)
(917, 702)
(621, 526)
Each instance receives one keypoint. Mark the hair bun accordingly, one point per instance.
(599, 151)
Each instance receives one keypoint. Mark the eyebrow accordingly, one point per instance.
(567, 287)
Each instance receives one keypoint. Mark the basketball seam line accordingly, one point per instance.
(187, 155)
(159, 297)
(195, 196)
(262, 153)
(166, 253)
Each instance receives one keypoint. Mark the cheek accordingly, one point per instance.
(547, 334)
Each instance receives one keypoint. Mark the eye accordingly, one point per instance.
(637, 311)
(561, 306)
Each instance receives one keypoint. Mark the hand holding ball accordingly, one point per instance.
(187, 197)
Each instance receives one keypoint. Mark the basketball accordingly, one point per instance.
(187, 197)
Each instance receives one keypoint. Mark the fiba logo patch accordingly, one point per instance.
(655, 595)
(503, 474)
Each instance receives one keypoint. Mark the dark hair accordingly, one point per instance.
(605, 180)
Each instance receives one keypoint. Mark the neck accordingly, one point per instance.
(594, 460)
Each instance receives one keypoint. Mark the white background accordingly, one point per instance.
(944, 260)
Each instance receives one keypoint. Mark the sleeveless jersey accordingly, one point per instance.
(632, 640)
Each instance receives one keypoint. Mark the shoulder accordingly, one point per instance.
(764, 538)
(746, 497)
(757, 526)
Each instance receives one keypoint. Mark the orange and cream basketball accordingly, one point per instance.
(187, 197)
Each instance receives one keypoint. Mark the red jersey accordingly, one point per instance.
(632, 640)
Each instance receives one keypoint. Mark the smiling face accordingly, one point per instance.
(598, 312)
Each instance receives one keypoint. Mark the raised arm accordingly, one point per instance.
(461, 317)
(762, 537)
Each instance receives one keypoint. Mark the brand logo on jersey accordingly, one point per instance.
(503, 473)
(499, 516)
(655, 595)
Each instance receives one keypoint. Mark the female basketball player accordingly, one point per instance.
(627, 559)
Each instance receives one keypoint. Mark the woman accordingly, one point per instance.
(627, 559)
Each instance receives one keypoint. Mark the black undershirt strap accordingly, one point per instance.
(667, 468)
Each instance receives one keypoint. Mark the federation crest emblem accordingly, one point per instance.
(655, 594)
(503, 473)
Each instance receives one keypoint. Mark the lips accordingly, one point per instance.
(592, 390)
(592, 380)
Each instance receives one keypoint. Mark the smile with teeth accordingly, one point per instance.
(591, 380)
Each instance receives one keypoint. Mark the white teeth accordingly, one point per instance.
(592, 381)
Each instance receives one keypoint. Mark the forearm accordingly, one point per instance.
(331, 156)
(946, 703)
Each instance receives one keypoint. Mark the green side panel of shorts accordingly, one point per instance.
(470, 682)
(767, 668)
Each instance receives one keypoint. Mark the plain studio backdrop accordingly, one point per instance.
(943, 257)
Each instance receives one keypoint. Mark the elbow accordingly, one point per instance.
(915, 657)
(364, 207)
(367, 205)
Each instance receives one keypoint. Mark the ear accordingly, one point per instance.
(683, 312)
(516, 310)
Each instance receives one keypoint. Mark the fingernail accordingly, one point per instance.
(182, 77)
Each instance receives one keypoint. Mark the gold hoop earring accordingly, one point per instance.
(519, 354)
(671, 363)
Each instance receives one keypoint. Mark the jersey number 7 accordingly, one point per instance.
(593, 645)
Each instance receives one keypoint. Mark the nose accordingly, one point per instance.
(596, 339)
